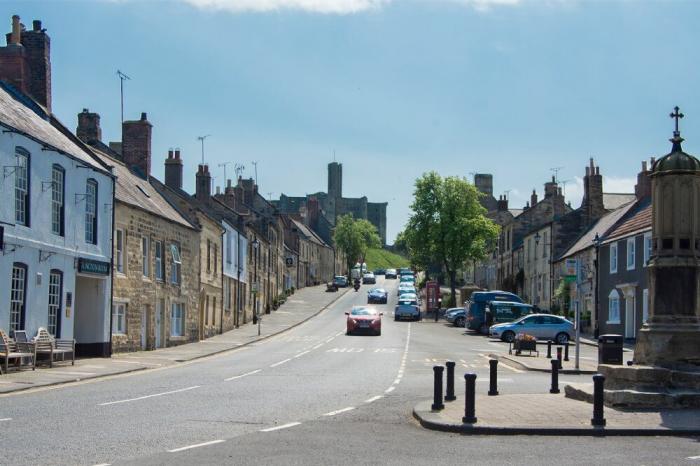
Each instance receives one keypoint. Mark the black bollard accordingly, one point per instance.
(555, 377)
(493, 377)
(437, 388)
(598, 398)
(469, 399)
(566, 351)
(549, 349)
(559, 356)
(450, 389)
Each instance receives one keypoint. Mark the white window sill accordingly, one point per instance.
(177, 338)
(615, 322)
(631, 268)
(613, 272)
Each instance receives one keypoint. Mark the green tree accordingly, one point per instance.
(448, 225)
(354, 238)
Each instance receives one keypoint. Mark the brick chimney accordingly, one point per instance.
(203, 183)
(502, 203)
(26, 61)
(592, 203)
(136, 144)
(249, 190)
(550, 188)
(173, 169)
(88, 126)
(533, 198)
(643, 187)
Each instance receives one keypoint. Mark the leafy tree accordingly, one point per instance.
(355, 238)
(448, 225)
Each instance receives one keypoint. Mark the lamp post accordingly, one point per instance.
(256, 319)
(596, 264)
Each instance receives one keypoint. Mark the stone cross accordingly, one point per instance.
(677, 115)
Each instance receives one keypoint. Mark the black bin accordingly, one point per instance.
(610, 349)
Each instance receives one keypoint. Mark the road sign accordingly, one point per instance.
(254, 287)
(289, 261)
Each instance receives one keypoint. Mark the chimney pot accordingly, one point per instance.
(36, 25)
(170, 153)
(16, 30)
(644, 165)
(177, 154)
(144, 117)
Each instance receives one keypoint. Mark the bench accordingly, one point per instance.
(47, 344)
(18, 351)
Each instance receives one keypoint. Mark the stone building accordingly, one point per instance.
(56, 220)
(156, 249)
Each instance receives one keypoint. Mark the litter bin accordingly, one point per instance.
(610, 349)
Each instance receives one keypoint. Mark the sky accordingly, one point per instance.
(389, 88)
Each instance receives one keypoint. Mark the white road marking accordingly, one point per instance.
(149, 396)
(301, 354)
(397, 380)
(281, 362)
(5, 419)
(189, 447)
(135, 362)
(694, 457)
(518, 371)
(242, 375)
(374, 398)
(103, 464)
(60, 373)
(317, 346)
(283, 426)
(344, 410)
(390, 389)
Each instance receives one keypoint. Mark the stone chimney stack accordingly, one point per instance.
(502, 203)
(533, 197)
(484, 183)
(643, 187)
(203, 183)
(26, 61)
(88, 127)
(592, 203)
(550, 188)
(173, 169)
(136, 144)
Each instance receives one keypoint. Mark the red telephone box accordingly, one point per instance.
(432, 293)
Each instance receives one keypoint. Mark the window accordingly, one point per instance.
(631, 251)
(544, 244)
(647, 248)
(160, 265)
(145, 256)
(614, 307)
(22, 187)
(216, 259)
(213, 312)
(119, 240)
(228, 248)
(177, 321)
(119, 319)
(18, 297)
(91, 212)
(57, 205)
(613, 258)
(208, 256)
(227, 294)
(175, 264)
(645, 305)
(206, 310)
(55, 294)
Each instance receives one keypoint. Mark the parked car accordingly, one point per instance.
(405, 288)
(500, 312)
(390, 273)
(540, 326)
(407, 279)
(455, 315)
(379, 271)
(364, 319)
(409, 299)
(407, 312)
(476, 314)
(341, 281)
(378, 296)
(369, 279)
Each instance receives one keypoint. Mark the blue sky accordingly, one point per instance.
(395, 88)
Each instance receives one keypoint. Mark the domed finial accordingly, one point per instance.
(677, 139)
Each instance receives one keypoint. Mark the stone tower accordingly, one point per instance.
(671, 336)
(335, 180)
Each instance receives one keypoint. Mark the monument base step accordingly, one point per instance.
(637, 399)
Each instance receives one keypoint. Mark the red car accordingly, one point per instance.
(364, 319)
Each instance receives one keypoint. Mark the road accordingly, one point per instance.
(312, 395)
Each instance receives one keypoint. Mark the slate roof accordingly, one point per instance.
(638, 220)
(308, 232)
(20, 113)
(135, 191)
(601, 227)
(612, 201)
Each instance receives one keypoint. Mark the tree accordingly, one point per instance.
(354, 238)
(448, 225)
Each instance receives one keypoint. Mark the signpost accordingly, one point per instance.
(577, 317)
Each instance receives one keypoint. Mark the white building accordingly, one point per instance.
(56, 220)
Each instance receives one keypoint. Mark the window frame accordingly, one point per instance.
(119, 236)
(146, 256)
(177, 322)
(614, 297)
(631, 253)
(613, 264)
(118, 329)
(647, 245)
(22, 311)
(175, 264)
(22, 193)
(91, 211)
(56, 305)
(60, 205)
(159, 262)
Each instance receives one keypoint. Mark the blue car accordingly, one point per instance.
(407, 312)
(377, 296)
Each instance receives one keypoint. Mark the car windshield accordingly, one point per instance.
(363, 311)
(378, 290)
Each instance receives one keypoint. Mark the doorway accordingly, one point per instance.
(145, 314)
(630, 317)
(160, 318)
(91, 316)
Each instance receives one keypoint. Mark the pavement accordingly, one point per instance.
(553, 414)
(299, 307)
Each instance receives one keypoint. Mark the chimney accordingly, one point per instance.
(136, 144)
(203, 183)
(502, 204)
(88, 127)
(484, 183)
(643, 187)
(592, 203)
(527, 206)
(550, 188)
(26, 61)
(173, 169)
(533, 198)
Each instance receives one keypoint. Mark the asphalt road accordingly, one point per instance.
(312, 395)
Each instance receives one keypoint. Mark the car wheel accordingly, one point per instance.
(508, 336)
(348, 332)
(378, 332)
(562, 338)
(459, 322)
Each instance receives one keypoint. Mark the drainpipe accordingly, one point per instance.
(111, 255)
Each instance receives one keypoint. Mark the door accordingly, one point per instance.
(144, 327)
(159, 323)
(630, 317)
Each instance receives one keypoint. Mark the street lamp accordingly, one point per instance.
(256, 319)
(596, 244)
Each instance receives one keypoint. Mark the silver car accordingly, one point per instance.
(540, 326)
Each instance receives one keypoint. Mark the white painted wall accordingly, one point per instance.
(239, 250)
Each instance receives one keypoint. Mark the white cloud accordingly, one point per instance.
(325, 6)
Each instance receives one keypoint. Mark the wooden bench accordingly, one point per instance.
(19, 351)
(47, 344)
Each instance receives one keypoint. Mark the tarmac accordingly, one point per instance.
(299, 307)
